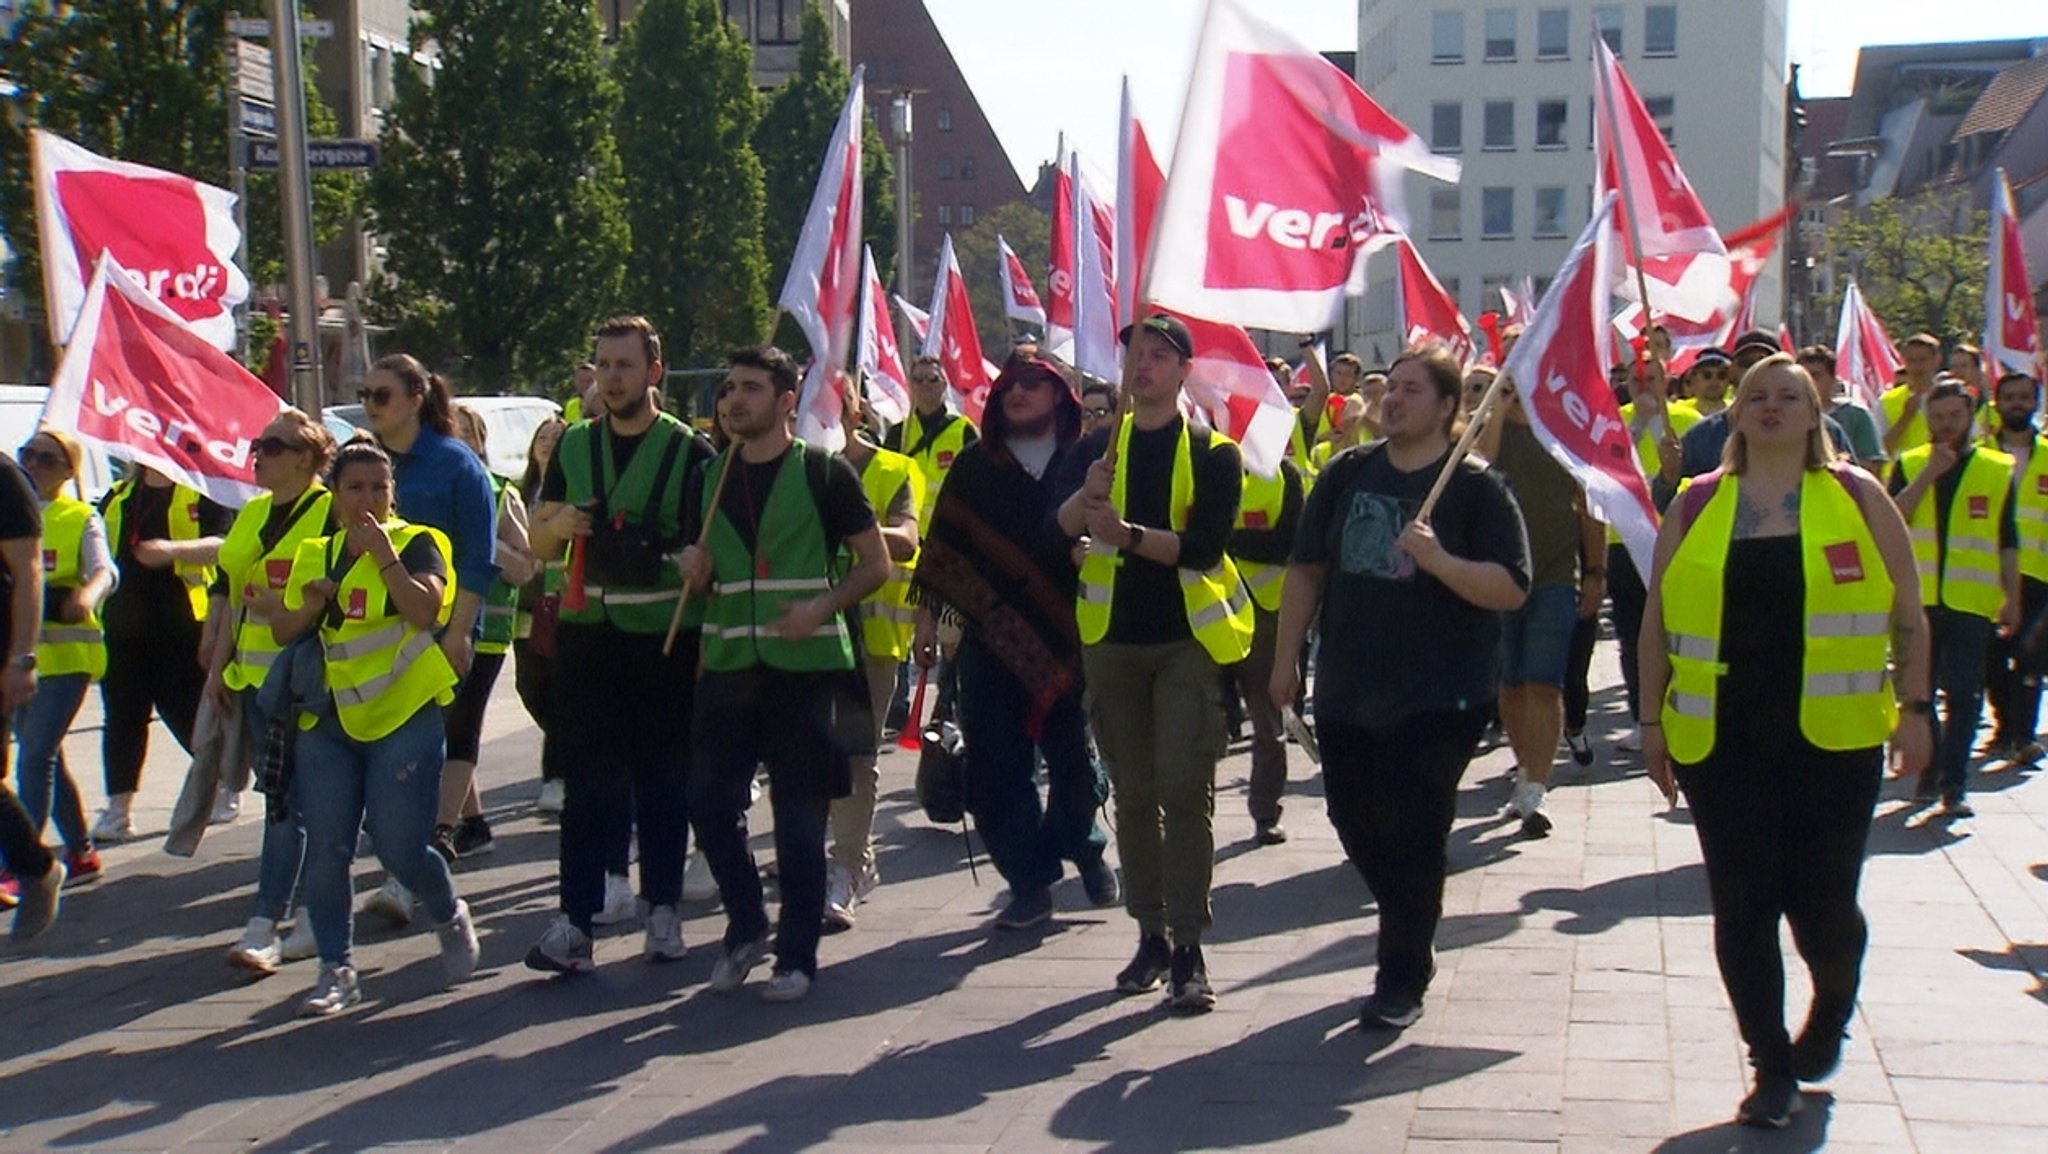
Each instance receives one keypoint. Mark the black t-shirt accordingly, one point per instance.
(148, 600)
(21, 518)
(554, 486)
(1147, 607)
(933, 427)
(1396, 641)
(845, 511)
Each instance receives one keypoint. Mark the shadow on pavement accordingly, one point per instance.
(1808, 1132)
(1595, 909)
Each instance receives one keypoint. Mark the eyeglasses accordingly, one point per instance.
(32, 456)
(1095, 414)
(274, 446)
(378, 396)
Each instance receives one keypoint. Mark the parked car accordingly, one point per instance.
(21, 413)
(510, 419)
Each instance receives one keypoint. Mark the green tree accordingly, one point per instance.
(791, 139)
(1920, 262)
(693, 184)
(1029, 232)
(498, 196)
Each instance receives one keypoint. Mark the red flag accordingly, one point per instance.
(2012, 330)
(151, 389)
(1059, 280)
(175, 235)
(1865, 358)
(1282, 181)
(1633, 157)
(1559, 369)
(1020, 300)
(954, 339)
(920, 320)
(1095, 284)
(1785, 338)
(1229, 380)
(1140, 185)
(1749, 252)
(822, 290)
(1428, 313)
(880, 361)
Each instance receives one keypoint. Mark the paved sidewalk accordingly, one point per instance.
(1577, 1006)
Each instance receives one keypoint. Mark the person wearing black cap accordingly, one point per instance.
(994, 562)
(1161, 609)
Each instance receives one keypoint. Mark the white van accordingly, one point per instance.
(21, 414)
(510, 419)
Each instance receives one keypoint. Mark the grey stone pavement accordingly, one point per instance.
(1577, 1006)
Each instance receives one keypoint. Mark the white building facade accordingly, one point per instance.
(1507, 87)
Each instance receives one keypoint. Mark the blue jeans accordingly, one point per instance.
(1960, 642)
(1027, 840)
(284, 842)
(392, 785)
(1536, 640)
(40, 726)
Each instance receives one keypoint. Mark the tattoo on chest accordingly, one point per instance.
(1752, 518)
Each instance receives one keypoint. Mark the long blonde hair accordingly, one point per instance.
(1820, 451)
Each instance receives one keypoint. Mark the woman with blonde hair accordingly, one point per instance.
(1783, 591)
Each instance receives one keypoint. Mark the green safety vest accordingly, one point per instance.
(501, 601)
(750, 590)
(1969, 581)
(380, 668)
(648, 493)
(62, 648)
(248, 566)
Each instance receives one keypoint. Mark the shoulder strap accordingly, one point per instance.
(600, 448)
(268, 540)
(676, 442)
(1697, 495)
(928, 434)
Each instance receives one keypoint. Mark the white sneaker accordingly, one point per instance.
(840, 898)
(226, 808)
(735, 964)
(299, 944)
(257, 951)
(1516, 798)
(552, 795)
(563, 949)
(336, 991)
(698, 884)
(114, 824)
(392, 902)
(786, 986)
(458, 944)
(664, 935)
(619, 903)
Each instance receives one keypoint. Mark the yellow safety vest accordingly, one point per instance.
(62, 648)
(1218, 608)
(936, 459)
(381, 669)
(1847, 699)
(248, 567)
(2030, 510)
(887, 619)
(1260, 508)
(184, 525)
(1894, 402)
(1968, 581)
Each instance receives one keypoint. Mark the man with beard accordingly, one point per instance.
(776, 650)
(994, 561)
(2015, 700)
(1957, 499)
(620, 706)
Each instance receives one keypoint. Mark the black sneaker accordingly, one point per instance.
(1772, 1104)
(1953, 805)
(1148, 966)
(473, 836)
(1270, 832)
(1535, 825)
(1099, 882)
(1383, 1011)
(443, 843)
(1818, 1048)
(1582, 750)
(1188, 989)
(1928, 786)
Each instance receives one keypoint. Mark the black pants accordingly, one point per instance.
(533, 676)
(621, 712)
(746, 718)
(21, 849)
(2015, 704)
(1578, 667)
(465, 717)
(1392, 794)
(1782, 832)
(159, 670)
(1628, 597)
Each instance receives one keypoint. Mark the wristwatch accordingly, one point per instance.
(23, 661)
(1137, 535)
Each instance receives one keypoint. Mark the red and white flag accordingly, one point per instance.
(920, 320)
(1748, 253)
(880, 361)
(1865, 358)
(1020, 300)
(1285, 175)
(175, 235)
(1140, 186)
(2012, 330)
(821, 292)
(149, 388)
(1061, 270)
(1096, 351)
(1633, 157)
(1517, 305)
(1428, 314)
(1561, 373)
(953, 338)
(1229, 381)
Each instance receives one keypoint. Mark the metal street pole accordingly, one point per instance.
(900, 121)
(295, 188)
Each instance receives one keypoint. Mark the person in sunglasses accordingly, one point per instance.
(256, 557)
(1713, 375)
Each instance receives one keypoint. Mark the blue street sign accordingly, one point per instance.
(319, 153)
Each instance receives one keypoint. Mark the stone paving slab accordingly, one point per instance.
(1577, 1006)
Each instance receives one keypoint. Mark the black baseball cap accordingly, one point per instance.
(1711, 357)
(1166, 325)
(1758, 339)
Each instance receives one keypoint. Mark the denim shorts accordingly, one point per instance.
(1536, 640)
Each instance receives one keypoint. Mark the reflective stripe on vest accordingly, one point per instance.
(380, 668)
(1218, 610)
(501, 600)
(887, 620)
(2030, 511)
(1846, 701)
(1261, 506)
(79, 647)
(1966, 576)
(183, 520)
(751, 589)
(248, 567)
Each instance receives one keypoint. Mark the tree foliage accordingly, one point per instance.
(498, 196)
(794, 132)
(1029, 232)
(1920, 262)
(694, 194)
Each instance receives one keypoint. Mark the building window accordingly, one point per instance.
(945, 166)
(1553, 33)
(1550, 120)
(1497, 213)
(1453, 287)
(1608, 21)
(967, 168)
(1499, 118)
(1661, 109)
(1660, 30)
(1447, 38)
(778, 21)
(1447, 126)
(1500, 33)
(945, 214)
(1549, 211)
(1446, 214)
(1489, 291)
(736, 11)
(966, 214)
(945, 120)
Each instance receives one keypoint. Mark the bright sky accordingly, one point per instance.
(1048, 65)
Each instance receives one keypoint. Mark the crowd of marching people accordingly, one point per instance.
(1100, 589)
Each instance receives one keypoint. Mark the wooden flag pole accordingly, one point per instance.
(1628, 208)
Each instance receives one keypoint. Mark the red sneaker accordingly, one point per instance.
(10, 890)
(82, 867)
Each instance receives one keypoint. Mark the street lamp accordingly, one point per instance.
(900, 125)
